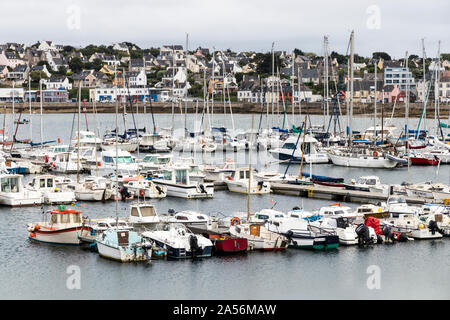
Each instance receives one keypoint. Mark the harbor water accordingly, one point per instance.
(411, 270)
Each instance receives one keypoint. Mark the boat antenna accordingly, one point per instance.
(250, 171)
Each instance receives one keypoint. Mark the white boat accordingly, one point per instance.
(292, 150)
(189, 218)
(239, 182)
(363, 183)
(63, 227)
(259, 237)
(180, 242)
(299, 232)
(154, 143)
(155, 161)
(178, 183)
(412, 226)
(362, 158)
(110, 144)
(86, 138)
(14, 194)
(125, 162)
(51, 194)
(92, 189)
(396, 205)
(219, 172)
(143, 213)
(146, 189)
(123, 245)
(64, 163)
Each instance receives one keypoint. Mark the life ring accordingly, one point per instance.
(142, 192)
(235, 221)
(375, 154)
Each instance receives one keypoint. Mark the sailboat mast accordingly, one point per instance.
(42, 125)
(350, 114)
(375, 105)
(250, 171)
(407, 101)
(272, 82)
(29, 102)
(78, 133)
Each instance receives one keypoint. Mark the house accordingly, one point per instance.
(400, 76)
(111, 60)
(42, 68)
(136, 78)
(137, 64)
(107, 69)
(10, 94)
(52, 95)
(47, 46)
(121, 47)
(3, 71)
(390, 93)
(88, 79)
(202, 52)
(19, 74)
(59, 83)
(364, 91)
(10, 59)
(309, 75)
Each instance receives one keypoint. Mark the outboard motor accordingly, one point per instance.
(387, 233)
(193, 242)
(124, 193)
(433, 226)
(171, 212)
(202, 188)
(260, 185)
(160, 190)
(363, 235)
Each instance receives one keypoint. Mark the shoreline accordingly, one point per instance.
(359, 109)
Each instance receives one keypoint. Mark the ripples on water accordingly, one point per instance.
(417, 269)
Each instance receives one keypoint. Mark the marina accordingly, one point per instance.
(290, 195)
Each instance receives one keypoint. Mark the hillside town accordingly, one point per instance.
(53, 73)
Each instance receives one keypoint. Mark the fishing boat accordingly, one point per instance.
(219, 172)
(14, 194)
(180, 242)
(362, 158)
(63, 227)
(92, 189)
(243, 181)
(64, 163)
(124, 245)
(258, 236)
(178, 183)
(51, 194)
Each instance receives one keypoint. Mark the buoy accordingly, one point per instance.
(32, 235)
(37, 227)
(142, 192)
(375, 154)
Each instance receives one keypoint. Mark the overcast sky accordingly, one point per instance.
(393, 26)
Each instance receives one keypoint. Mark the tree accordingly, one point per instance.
(97, 64)
(76, 65)
(298, 52)
(382, 55)
(339, 57)
(62, 71)
(445, 56)
(136, 54)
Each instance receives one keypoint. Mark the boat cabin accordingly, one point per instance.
(143, 213)
(65, 216)
(11, 183)
(179, 175)
(43, 182)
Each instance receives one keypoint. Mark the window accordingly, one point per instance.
(167, 175)
(76, 218)
(134, 212)
(54, 219)
(181, 176)
(50, 183)
(65, 218)
(148, 211)
(42, 183)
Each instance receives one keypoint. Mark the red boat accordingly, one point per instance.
(422, 161)
(412, 147)
(225, 244)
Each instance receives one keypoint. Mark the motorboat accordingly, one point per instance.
(219, 172)
(178, 183)
(180, 242)
(14, 194)
(156, 161)
(243, 181)
(154, 143)
(63, 227)
(123, 245)
(124, 162)
(51, 194)
(143, 214)
(189, 218)
(92, 189)
(259, 237)
(363, 183)
(146, 189)
(292, 148)
(86, 138)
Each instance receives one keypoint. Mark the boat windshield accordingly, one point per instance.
(10, 184)
(290, 146)
(148, 211)
(163, 160)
